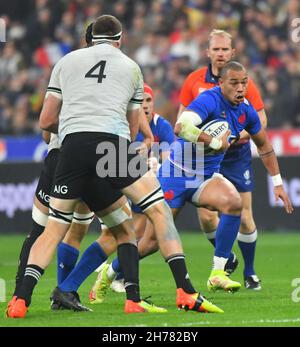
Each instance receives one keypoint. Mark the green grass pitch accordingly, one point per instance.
(277, 263)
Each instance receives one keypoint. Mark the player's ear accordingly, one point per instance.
(117, 43)
(233, 53)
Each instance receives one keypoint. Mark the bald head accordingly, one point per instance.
(231, 66)
(233, 82)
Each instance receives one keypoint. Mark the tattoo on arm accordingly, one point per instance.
(266, 154)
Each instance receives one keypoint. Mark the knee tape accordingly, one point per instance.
(60, 216)
(117, 217)
(83, 218)
(39, 217)
(153, 198)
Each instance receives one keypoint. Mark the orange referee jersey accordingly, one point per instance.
(203, 79)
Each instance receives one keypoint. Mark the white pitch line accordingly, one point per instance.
(286, 320)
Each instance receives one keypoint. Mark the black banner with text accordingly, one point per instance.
(18, 182)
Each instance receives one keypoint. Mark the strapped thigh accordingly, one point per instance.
(196, 195)
(151, 199)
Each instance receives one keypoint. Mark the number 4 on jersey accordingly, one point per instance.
(100, 75)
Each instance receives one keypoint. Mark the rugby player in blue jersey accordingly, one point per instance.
(216, 193)
(236, 165)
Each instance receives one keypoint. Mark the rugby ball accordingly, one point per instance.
(215, 128)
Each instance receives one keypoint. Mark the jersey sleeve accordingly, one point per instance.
(186, 95)
(203, 105)
(166, 133)
(137, 99)
(254, 125)
(253, 96)
(54, 86)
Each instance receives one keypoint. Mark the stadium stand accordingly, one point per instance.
(167, 38)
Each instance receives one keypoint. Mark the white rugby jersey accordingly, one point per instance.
(98, 85)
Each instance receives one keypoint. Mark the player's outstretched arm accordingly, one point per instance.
(268, 156)
(50, 112)
(133, 121)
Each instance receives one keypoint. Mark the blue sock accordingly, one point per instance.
(92, 258)
(117, 269)
(66, 260)
(247, 244)
(226, 234)
(211, 236)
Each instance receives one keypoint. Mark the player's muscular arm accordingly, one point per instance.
(133, 121)
(263, 120)
(269, 159)
(50, 113)
(186, 128)
(266, 152)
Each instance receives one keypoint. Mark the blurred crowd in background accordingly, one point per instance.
(167, 38)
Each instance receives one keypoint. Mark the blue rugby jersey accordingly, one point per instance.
(161, 129)
(211, 105)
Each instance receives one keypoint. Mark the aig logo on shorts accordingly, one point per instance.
(44, 196)
(60, 189)
(247, 177)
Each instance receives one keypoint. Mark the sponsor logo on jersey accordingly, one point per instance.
(223, 114)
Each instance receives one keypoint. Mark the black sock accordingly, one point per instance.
(129, 263)
(31, 277)
(180, 274)
(24, 254)
(213, 242)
